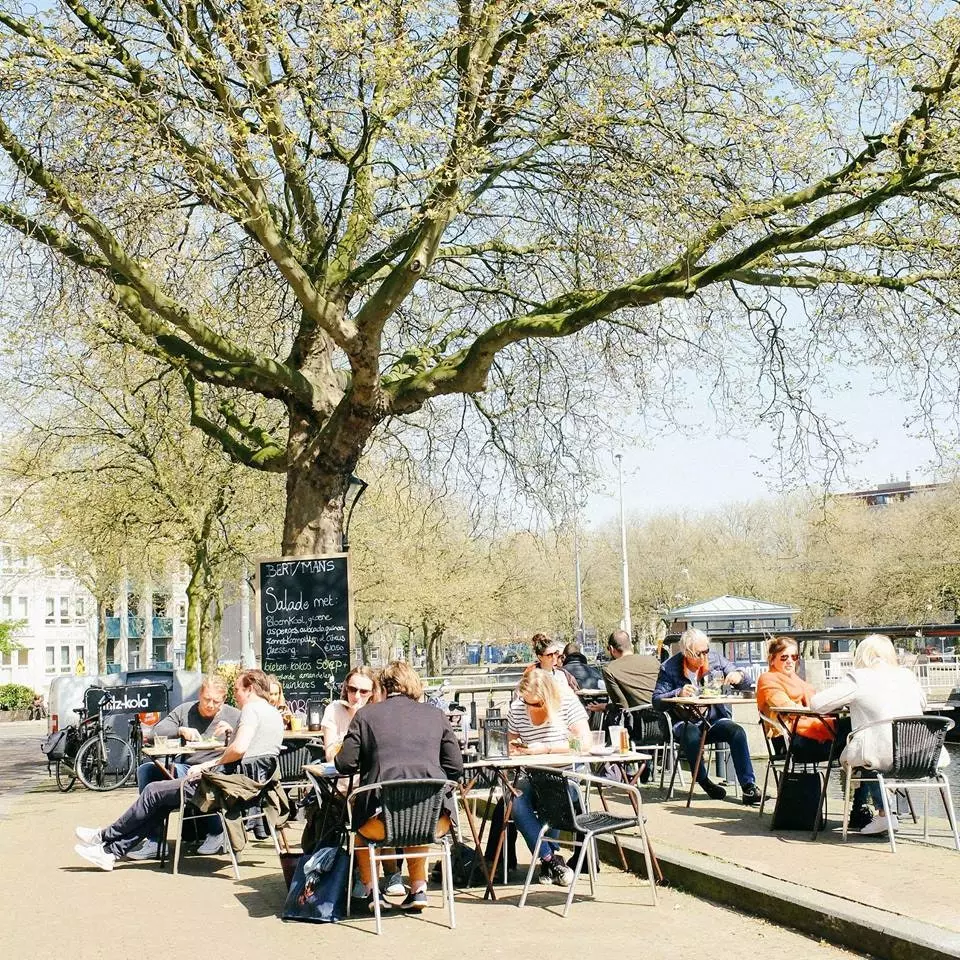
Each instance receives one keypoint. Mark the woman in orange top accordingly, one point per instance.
(780, 686)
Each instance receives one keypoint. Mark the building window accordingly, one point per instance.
(6, 558)
(64, 659)
(51, 616)
(5, 660)
(182, 612)
(23, 657)
(80, 655)
(64, 609)
(78, 606)
(6, 608)
(51, 659)
(22, 608)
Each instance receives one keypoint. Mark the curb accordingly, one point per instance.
(858, 927)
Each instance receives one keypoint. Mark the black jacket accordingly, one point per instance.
(399, 739)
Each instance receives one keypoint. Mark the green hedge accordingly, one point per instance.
(15, 696)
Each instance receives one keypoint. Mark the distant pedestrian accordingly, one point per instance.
(38, 709)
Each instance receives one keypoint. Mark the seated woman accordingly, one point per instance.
(549, 654)
(542, 721)
(398, 739)
(876, 689)
(358, 689)
(781, 686)
(254, 748)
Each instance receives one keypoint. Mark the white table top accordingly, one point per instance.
(707, 701)
(177, 749)
(554, 760)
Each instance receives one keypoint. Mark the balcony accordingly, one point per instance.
(134, 628)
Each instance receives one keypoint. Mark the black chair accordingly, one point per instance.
(553, 797)
(651, 731)
(777, 747)
(411, 811)
(917, 745)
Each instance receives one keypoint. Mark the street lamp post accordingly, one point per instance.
(576, 572)
(351, 495)
(627, 624)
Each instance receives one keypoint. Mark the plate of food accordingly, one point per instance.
(208, 743)
(601, 751)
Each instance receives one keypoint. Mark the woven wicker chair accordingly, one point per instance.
(917, 744)
(553, 792)
(652, 732)
(411, 811)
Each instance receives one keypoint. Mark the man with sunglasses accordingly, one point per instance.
(682, 676)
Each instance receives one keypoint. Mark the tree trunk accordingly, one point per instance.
(434, 645)
(195, 599)
(317, 477)
(363, 633)
(101, 636)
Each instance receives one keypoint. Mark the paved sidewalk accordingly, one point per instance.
(56, 906)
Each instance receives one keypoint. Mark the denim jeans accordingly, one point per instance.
(867, 791)
(148, 773)
(145, 818)
(528, 823)
(722, 731)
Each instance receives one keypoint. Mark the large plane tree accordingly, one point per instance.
(331, 218)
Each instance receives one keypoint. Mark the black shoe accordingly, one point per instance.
(556, 872)
(260, 831)
(714, 790)
(415, 902)
(751, 795)
(859, 818)
(385, 905)
(645, 773)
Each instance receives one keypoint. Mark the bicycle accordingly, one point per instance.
(102, 761)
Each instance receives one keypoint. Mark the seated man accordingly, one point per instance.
(681, 676)
(255, 748)
(209, 716)
(629, 677)
(575, 663)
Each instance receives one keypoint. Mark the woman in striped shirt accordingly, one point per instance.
(543, 720)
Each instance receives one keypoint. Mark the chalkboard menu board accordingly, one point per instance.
(304, 620)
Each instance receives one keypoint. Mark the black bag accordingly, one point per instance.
(56, 745)
(318, 890)
(798, 805)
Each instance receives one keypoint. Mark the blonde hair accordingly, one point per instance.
(777, 646)
(541, 686)
(874, 650)
(399, 677)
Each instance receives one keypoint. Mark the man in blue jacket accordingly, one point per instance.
(682, 676)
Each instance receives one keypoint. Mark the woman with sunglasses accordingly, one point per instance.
(358, 689)
(781, 686)
(543, 720)
(549, 654)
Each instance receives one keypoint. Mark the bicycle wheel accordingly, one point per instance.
(66, 776)
(106, 766)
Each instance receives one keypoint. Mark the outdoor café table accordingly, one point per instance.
(696, 710)
(174, 750)
(790, 716)
(507, 770)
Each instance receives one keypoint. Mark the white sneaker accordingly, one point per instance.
(879, 825)
(395, 887)
(88, 835)
(96, 855)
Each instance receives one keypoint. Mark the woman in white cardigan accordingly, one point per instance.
(876, 689)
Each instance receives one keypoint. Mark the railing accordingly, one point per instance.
(932, 676)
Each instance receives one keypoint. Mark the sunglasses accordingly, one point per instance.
(351, 689)
(536, 703)
(551, 653)
(701, 653)
(784, 657)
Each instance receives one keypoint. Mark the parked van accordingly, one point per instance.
(67, 694)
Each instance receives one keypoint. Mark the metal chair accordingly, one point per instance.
(250, 810)
(553, 796)
(651, 731)
(774, 756)
(917, 745)
(411, 811)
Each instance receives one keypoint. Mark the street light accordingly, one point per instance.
(627, 624)
(351, 494)
(576, 572)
